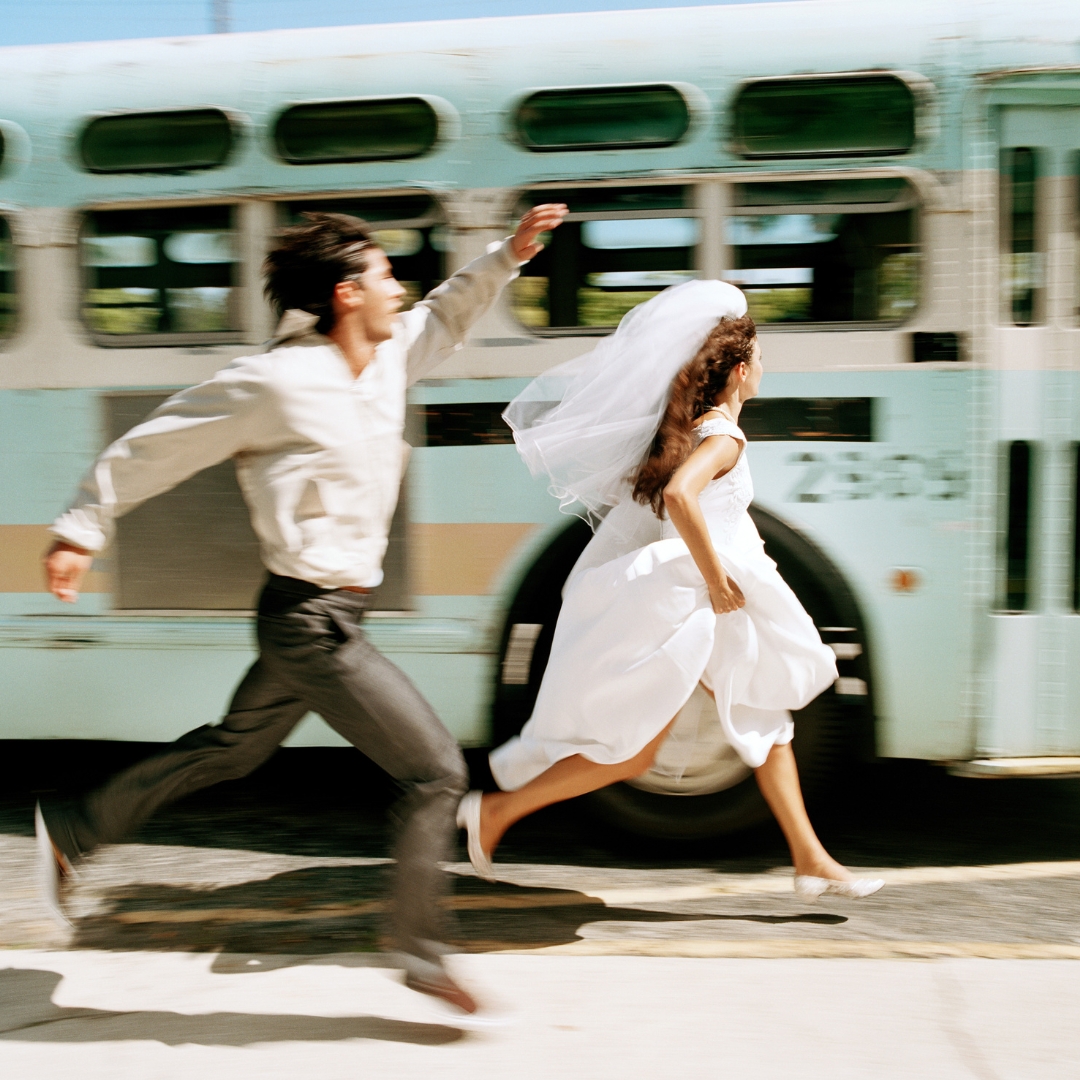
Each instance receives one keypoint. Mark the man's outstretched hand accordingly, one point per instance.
(65, 567)
(540, 219)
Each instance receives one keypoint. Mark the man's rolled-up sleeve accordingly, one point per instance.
(194, 429)
(439, 324)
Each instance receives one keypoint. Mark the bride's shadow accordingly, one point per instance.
(323, 910)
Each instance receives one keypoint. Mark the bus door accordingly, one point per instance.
(1032, 704)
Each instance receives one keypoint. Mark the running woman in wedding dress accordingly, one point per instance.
(675, 589)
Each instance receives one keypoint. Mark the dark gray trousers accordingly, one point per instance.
(313, 656)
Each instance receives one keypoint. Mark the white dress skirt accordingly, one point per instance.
(637, 634)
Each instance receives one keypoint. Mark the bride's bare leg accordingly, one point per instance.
(565, 779)
(778, 779)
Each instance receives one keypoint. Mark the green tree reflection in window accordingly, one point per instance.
(1023, 256)
(162, 271)
(826, 251)
(618, 248)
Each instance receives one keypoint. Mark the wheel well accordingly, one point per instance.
(814, 578)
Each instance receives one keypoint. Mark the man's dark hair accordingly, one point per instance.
(311, 258)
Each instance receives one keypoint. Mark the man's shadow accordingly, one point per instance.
(27, 1014)
(322, 910)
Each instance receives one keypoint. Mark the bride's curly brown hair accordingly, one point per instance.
(693, 391)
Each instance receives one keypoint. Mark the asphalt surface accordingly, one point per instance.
(281, 878)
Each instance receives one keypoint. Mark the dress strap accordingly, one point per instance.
(720, 426)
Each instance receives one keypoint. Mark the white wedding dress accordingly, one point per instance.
(637, 635)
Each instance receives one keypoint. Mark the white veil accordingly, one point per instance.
(588, 424)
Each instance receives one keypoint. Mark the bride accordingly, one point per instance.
(675, 588)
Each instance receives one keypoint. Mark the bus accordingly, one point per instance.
(896, 187)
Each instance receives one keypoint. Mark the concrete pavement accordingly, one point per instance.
(239, 938)
(142, 1015)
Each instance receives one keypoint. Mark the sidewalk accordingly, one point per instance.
(142, 1015)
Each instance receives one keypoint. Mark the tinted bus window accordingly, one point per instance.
(1076, 235)
(826, 251)
(1076, 529)
(7, 280)
(1017, 526)
(161, 272)
(617, 248)
(850, 115)
(602, 117)
(374, 130)
(409, 228)
(172, 141)
(1023, 257)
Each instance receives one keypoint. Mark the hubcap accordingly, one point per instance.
(695, 758)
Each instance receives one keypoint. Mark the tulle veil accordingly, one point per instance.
(588, 424)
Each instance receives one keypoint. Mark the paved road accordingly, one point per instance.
(239, 934)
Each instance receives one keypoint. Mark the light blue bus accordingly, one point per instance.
(895, 187)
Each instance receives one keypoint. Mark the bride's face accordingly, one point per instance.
(754, 371)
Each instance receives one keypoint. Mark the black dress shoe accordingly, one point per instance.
(443, 987)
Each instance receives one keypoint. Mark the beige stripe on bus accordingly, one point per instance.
(21, 551)
(451, 559)
(462, 558)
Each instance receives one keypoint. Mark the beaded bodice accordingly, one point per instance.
(723, 501)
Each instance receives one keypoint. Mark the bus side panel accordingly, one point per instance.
(894, 516)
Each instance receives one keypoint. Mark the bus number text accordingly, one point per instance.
(857, 475)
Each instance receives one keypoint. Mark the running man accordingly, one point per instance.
(315, 425)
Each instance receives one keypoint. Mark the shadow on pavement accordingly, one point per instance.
(323, 910)
(27, 1014)
(327, 801)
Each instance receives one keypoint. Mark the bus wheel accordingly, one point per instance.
(715, 794)
(655, 806)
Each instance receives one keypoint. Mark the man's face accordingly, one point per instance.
(380, 296)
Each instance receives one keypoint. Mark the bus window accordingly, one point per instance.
(379, 129)
(1022, 255)
(161, 273)
(174, 140)
(824, 116)
(1076, 235)
(1076, 529)
(602, 117)
(617, 248)
(7, 280)
(1017, 526)
(409, 228)
(826, 251)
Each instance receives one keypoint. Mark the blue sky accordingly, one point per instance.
(31, 22)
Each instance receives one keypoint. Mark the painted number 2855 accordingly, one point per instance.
(857, 475)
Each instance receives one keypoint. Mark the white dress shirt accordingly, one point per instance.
(319, 454)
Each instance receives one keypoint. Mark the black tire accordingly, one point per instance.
(831, 732)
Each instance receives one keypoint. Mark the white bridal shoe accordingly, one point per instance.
(468, 818)
(810, 888)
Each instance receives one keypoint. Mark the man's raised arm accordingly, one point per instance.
(193, 430)
(440, 322)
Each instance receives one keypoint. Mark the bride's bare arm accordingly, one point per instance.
(714, 457)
